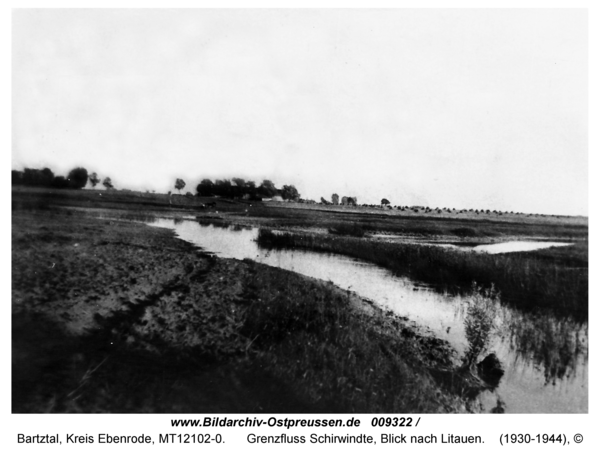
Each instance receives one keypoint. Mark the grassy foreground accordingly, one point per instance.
(111, 316)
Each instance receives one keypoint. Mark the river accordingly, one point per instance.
(545, 359)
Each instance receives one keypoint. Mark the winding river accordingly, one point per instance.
(545, 360)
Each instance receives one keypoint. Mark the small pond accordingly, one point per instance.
(545, 361)
(504, 247)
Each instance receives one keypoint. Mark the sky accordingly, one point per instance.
(445, 108)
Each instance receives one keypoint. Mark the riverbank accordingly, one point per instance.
(115, 316)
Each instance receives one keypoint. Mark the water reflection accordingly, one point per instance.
(503, 247)
(545, 359)
(558, 347)
(511, 247)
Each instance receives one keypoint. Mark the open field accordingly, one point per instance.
(459, 227)
(115, 316)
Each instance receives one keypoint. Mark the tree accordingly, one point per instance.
(179, 185)
(384, 201)
(205, 188)
(239, 182)
(107, 182)
(94, 180)
(17, 177)
(251, 189)
(289, 192)
(238, 187)
(335, 198)
(30, 176)
(267, 188)
(47, 177)
(223, 188)
(60, 182)
(37, 177)
(77, 177)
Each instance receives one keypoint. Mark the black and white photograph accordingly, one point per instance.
(299, 211)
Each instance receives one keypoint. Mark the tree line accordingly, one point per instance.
(243, 189)
(77, 178)
(235, 188)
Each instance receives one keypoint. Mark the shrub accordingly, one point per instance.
(479, 322)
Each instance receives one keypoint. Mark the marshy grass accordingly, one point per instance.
(351, 229)
(526, 281)
(466, 232)
(558, 346)
(342, 359)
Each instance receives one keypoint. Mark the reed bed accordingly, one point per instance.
(524, 281)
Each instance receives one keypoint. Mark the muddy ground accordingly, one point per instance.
(115, 316)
